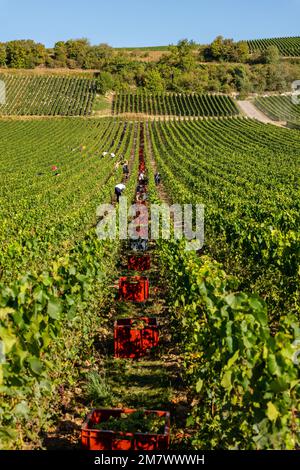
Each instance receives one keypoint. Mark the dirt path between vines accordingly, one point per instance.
(163, 195)
(150, 117)
(153, 382)
(249, 109)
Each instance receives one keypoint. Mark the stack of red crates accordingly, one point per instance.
(133, 338)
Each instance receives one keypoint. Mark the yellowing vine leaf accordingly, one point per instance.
(272, 412)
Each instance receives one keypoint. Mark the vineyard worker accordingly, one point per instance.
(157, 178)
(141, 177)
(125, 169)
(104, 154)
(55, 170)
(56, 173)
(119, 188)
(112, 155)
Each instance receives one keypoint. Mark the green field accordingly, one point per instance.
(279, 108)
(228, 313)
(247, 175)
(29, 149)
(174, 104)
(287, 46)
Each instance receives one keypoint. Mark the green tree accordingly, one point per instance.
(25, 54)
(214, 85)
(270, 55)
(97, 57)
(104, 83)
(241, 79)
(277, 77)
(77, 50)
(182, 56)
(153, 81)
(60, 53)
(186, 55)
(240, 52)
(227, 50)
(258, 78)
(2, 55)
(216, 48)
(16, 54)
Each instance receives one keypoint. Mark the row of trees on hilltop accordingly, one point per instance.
(212, 78)
(223, 66)
(22, 54)
(226, 50)
(181, 71)
(79, 53)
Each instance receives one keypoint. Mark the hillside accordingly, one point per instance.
(173, 104)
(280, 108)
(198, 321)
(288, 46)
(47, 95)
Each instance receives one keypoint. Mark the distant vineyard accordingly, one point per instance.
(47, 95)
(58, 208)
(247, 175)
(279, 108)
(288, 47)
(174, 104)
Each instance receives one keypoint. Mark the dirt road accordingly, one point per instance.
(249, 109)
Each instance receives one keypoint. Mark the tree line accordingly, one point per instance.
(222, 66)
(79, 53)
(74, 53)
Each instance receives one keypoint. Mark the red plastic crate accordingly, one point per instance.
(139, 263)
(132, 340)
(94, 439)
(134, 288)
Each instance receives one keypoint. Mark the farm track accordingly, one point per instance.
(155, 117)
(125, 116)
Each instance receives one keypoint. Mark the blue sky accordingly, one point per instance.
(151, 22)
